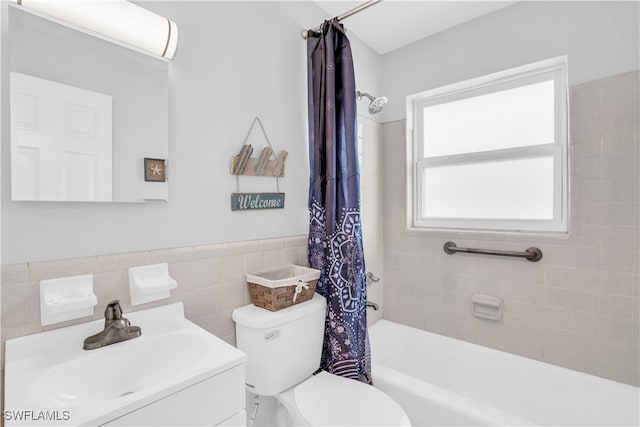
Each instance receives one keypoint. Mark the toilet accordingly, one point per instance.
(283, 350)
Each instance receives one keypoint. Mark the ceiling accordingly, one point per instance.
(391, 24)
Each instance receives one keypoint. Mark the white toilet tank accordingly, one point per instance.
(283, 347)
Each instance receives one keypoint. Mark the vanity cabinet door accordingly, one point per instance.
(208, 403)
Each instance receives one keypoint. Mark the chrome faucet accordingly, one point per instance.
(371, 278)
(373, 305)
(116, 329)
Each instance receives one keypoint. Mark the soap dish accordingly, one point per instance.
(66, 298)
(150, 283)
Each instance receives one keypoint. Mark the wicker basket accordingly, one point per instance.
(282, 288)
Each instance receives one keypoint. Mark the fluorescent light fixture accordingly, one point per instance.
(117, 19)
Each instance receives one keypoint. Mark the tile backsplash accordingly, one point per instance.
(578, 307)
(210, 282)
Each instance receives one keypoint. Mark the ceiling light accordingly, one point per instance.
(116, 19)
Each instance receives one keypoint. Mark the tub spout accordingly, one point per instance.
(373, 305)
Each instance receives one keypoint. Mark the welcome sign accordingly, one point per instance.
(256, 201)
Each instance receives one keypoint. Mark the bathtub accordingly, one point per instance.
(444, 381)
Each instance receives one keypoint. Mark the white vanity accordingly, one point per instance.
(174, 374)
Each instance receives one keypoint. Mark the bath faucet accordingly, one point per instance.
(116, 329)
(373, 305)
(370, 278)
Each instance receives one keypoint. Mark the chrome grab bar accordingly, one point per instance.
(532, 254)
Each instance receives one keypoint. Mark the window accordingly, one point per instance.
(491, 153)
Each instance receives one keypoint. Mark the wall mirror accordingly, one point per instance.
(84, 114)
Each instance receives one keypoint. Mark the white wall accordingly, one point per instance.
(372, 201)
(236, 60)
(601, 39)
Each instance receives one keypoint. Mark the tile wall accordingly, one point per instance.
(371, 209)
(210, 282)
(579, 306)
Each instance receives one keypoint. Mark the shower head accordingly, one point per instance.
(376, 105)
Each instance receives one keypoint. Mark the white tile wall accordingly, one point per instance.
(210, 282)
(578, 307)
(371, 208)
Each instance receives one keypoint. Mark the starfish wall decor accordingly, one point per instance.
(155, 170)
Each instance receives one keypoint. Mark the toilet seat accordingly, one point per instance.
(330, 400)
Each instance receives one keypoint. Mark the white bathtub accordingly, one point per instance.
(444, 381)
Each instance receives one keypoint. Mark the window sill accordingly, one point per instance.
(468, 234)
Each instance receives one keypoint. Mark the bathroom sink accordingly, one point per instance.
(51, 372)
(116, 372)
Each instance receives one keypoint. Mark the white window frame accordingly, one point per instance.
(555, 68)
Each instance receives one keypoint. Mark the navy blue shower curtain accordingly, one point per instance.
(335, 232)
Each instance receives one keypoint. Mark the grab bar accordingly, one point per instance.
(532, 254)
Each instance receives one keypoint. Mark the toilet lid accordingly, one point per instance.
(330, 400)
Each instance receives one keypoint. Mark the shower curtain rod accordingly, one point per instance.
(347, 14)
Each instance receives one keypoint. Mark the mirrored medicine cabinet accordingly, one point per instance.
(84, 114)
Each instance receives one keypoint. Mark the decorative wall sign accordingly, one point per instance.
(244, 164)
(256, 201)
(155, 170)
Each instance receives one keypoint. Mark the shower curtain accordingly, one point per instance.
(335, 232)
